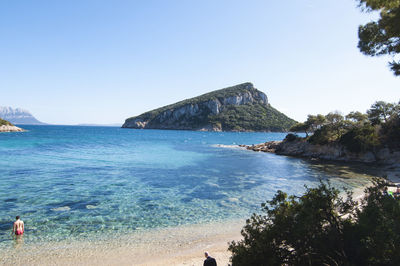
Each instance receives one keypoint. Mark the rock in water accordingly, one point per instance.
(238, 108)
(6, 126)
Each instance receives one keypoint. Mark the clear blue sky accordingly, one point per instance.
(72, 62)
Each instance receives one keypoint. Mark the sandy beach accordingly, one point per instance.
(183, 245)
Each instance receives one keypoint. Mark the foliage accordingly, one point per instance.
(5, 123)
(381, 37)
(358, 132)
(361, 139)
(356, 117)
(312, 124)
(315, 122)
(291, 137)
(255, 117)
(391, 131)
(322, 136)
(300, 127)
(335, 123)
(322, 228)
(381, 111)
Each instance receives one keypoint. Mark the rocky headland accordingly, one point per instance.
(336, 152)
(238, 108)
(6, 126)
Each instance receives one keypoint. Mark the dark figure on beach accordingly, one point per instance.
(209, 261)
(397, 193)
(385, 192)
(18, 227)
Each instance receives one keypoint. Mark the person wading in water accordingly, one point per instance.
(18, 228)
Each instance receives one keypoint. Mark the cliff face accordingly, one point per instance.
(18, 116)
(218, 110)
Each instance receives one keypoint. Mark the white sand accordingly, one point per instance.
(182, 245)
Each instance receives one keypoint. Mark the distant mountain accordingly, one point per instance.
(18, 116)
(238, 108)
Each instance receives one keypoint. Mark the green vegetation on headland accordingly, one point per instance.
(238, 108)
(358, 132)
(255, 117)
(214, 95)
(5, 123)
(322, 228)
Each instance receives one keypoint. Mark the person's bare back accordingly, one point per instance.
(18, 227)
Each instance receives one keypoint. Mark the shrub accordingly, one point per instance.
(321, 136)
(322, 228)
(361, 139)
(291, 137)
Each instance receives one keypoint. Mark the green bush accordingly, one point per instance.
(361, 139)
(391, 132)
(291, 137)
(322, 228)
(354, 131)
(321, 136)
(5, 123)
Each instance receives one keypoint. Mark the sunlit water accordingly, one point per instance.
(89, 182)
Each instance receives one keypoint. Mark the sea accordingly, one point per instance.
(76, 182)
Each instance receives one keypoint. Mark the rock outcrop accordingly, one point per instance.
(241, 108)
(6, 126)
(18, 116)
(336, 152)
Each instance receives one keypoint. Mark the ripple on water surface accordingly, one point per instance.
(86, 182)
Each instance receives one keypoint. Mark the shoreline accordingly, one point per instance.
(182, 245)
(11, 128)
(388, 162)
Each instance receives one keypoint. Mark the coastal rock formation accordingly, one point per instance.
(237, 108)
(302, 148)
(18, 116)
(6, 126)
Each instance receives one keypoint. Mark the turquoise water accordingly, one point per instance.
(80, 182)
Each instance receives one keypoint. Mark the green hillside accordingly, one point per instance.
(237, 108)
(254, 117)
(217, 94)
(5, 123)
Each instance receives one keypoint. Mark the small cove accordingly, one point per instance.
(80, 183)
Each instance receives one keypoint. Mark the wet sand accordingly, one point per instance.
(183, 245)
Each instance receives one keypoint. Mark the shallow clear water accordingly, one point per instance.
(73, 182)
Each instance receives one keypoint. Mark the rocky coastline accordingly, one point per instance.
(10, 128)
(334, 152)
